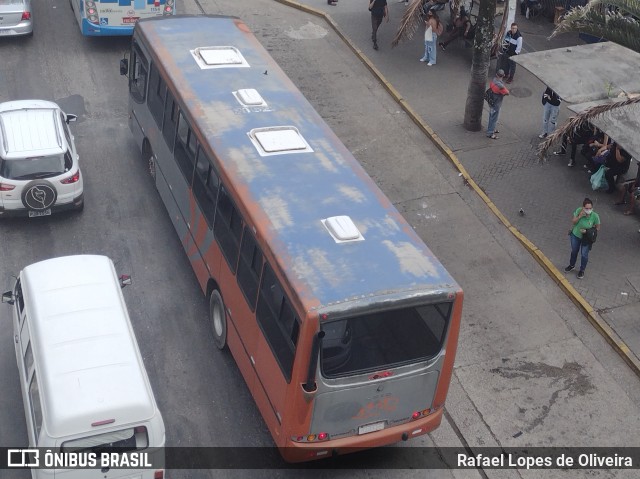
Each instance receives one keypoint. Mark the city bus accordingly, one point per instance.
(116, 17)
(342, 322)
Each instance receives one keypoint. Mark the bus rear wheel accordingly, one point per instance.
(218, 319)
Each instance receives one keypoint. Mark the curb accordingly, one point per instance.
(592, 315)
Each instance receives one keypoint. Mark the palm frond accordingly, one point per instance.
(412, 20)
(616, 25)
(575, 122)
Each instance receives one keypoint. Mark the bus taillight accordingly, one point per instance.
(322, 436)
(419, 414)
(168, 8)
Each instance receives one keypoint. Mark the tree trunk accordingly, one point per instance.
(480, 65)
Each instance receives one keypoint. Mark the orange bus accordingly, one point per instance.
(343, 323)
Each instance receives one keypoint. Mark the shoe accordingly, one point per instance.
(423, 60)
(430, 64)
(509, 80)
(375, 46)
(571, 163)
(495, 132)
(442, 46)
(542, 135)
(559, 153)
(580, 274)
(589, 172)
(493, 137)
(569, 268)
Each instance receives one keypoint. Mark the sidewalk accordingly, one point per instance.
(508, 170)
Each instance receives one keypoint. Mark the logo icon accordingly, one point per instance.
(23, 458)
(39, 196)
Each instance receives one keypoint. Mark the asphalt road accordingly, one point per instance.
(526, 362)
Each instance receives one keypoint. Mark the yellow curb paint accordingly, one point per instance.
(600, 325)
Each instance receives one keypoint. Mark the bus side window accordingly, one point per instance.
(228, 229)
(157, 92)
(35, 406)
(138, 77)
(205, 186)
(185, 158)
(277, 321)
(170, 121)
(249, 268)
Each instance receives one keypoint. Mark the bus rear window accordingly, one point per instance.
(125, 440)
(381, 340)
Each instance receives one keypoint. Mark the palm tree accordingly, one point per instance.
(613, 20)
(482, 43)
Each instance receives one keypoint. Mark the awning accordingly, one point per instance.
(590, 75)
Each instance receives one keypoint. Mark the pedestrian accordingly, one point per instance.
(433, 27)
(583, 219)
(499, 91)
(461, 28)
(379, 11)
(511, 45)
(551, 104)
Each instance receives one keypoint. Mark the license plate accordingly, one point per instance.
(130, 19)
(6, 32)
(376, 426)
(33, 214)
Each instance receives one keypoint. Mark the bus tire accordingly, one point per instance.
(218, 319)
(149, 158)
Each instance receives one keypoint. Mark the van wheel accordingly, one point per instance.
(149, 158)
(218, 319)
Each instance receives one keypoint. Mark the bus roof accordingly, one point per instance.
(290, 182)
(87, 362)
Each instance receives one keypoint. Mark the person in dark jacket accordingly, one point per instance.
(618, 163)
(511, 45)
(379, 11)
(551, 105)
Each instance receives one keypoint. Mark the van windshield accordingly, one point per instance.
(126, 440)
(383, 339)
(35, 167)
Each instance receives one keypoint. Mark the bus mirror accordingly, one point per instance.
(7, 297)
(124, 66)
(310, 385)
(71, 117)
(125, 280)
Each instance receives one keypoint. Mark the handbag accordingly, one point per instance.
(598, 180)
(590, 235)
(489, 96)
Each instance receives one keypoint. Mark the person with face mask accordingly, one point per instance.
(583, 219)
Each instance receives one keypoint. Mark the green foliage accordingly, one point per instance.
(615, 20)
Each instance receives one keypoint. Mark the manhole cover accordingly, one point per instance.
(519, 91)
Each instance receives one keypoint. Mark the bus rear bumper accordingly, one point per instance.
(305, 451)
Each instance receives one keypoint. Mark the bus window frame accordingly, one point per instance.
(201, 185)
(272, 302)
(249, 268)
(156, 97)
(223, 233)
(138, 95)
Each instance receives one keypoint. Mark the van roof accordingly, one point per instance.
(30, 128)
(87, 361)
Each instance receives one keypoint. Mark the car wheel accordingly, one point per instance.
(218, 319)
(150, 159)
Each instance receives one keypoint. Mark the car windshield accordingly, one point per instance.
(383, 339)
(33, 168)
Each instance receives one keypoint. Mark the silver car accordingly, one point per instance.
(16, 18)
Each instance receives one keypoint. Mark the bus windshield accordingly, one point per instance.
(381, 340)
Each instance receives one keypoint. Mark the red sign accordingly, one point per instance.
(130, 19)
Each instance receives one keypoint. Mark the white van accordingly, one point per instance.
(84, 385)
